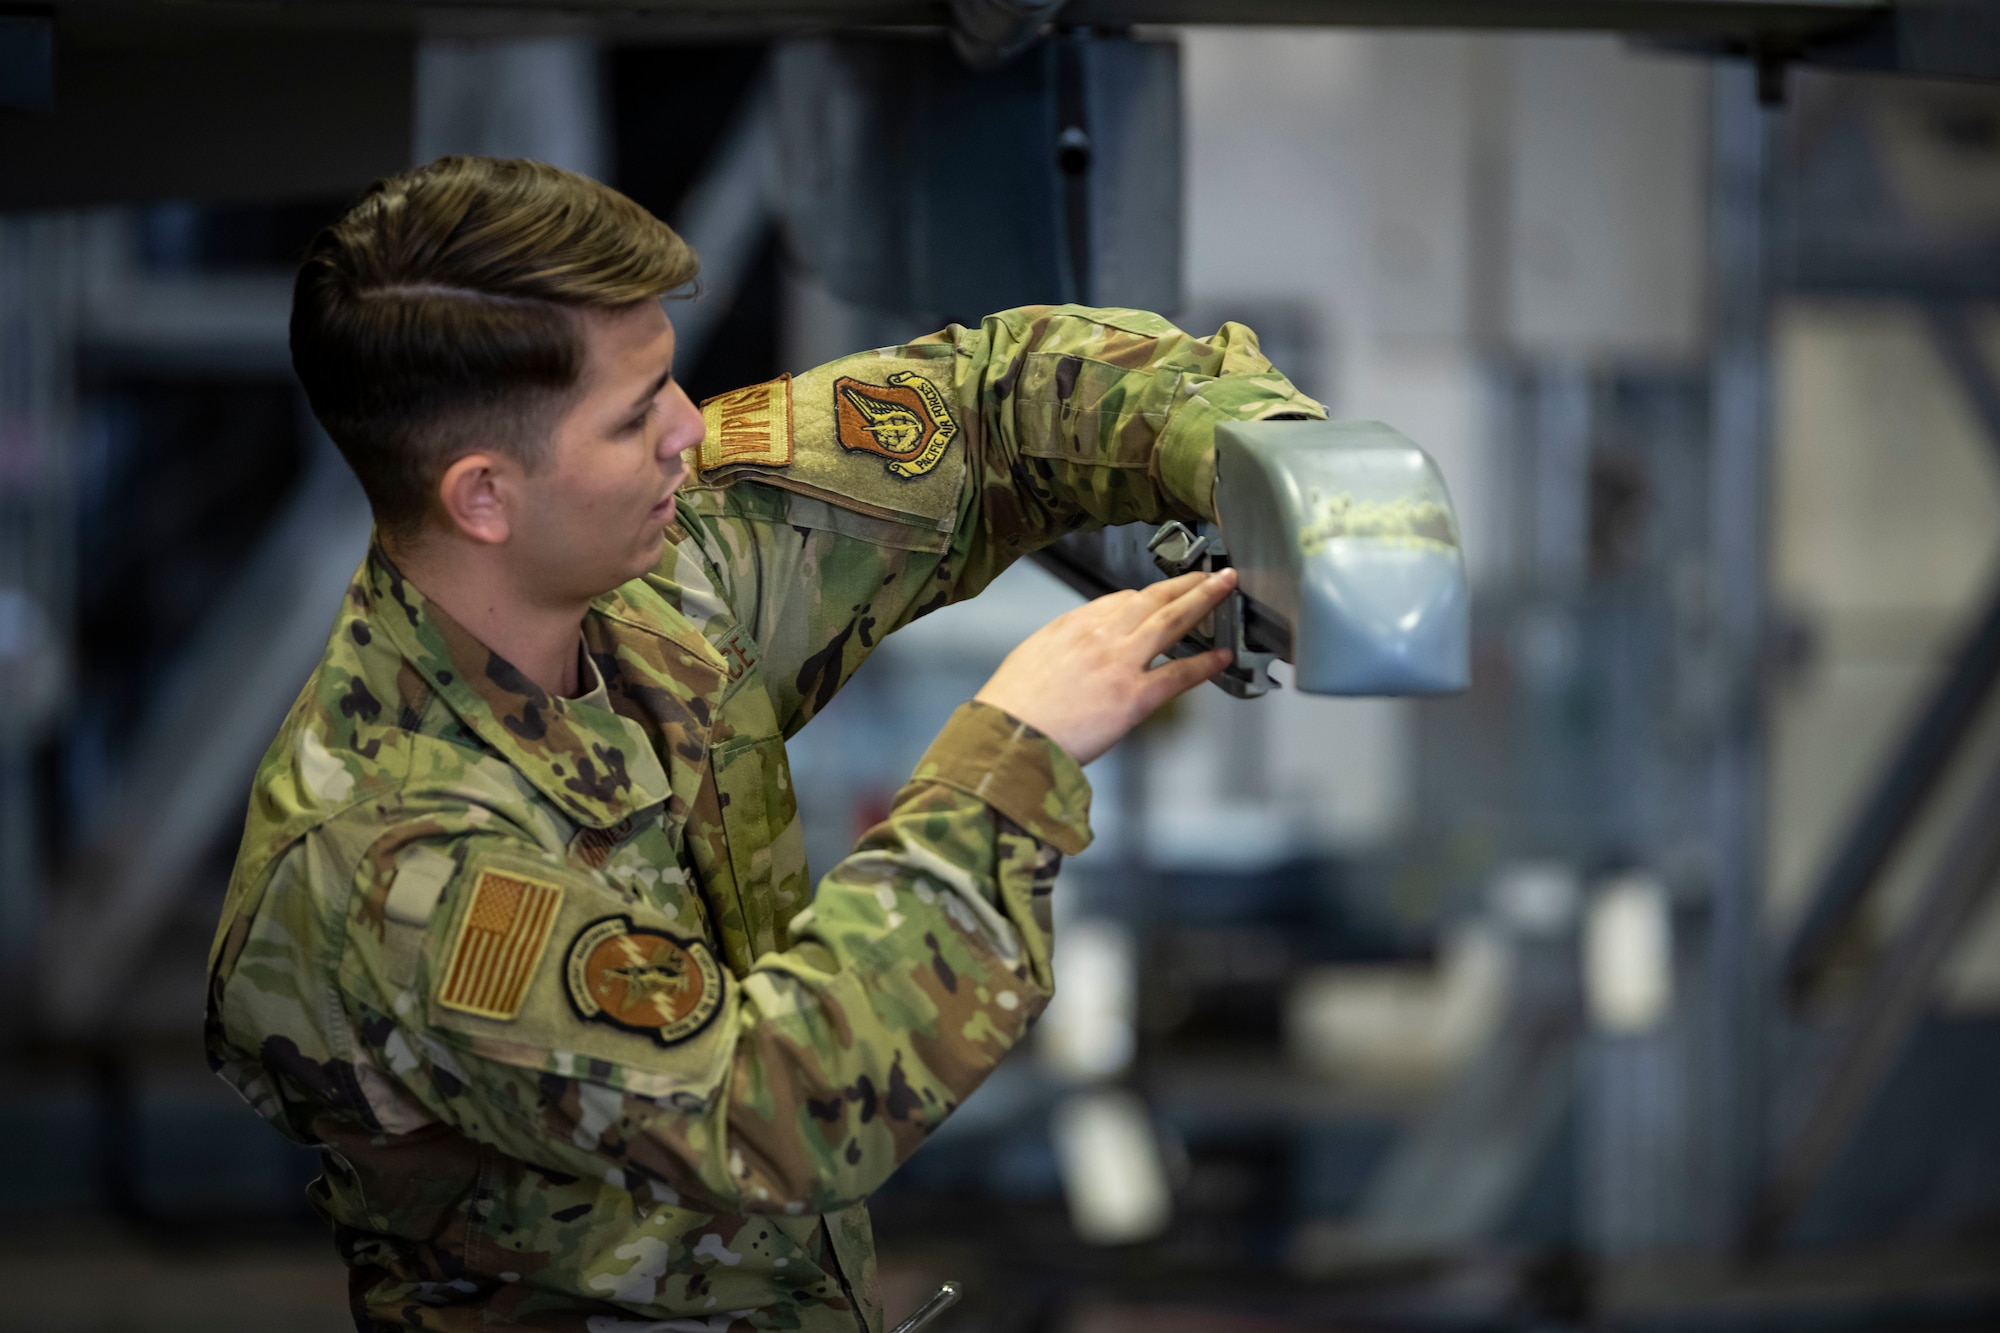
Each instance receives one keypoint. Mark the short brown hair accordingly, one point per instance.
(439, 314)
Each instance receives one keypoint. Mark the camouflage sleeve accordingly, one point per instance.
(584, 1026)
(835, 506)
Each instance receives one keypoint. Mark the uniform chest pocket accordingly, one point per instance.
(764, 842)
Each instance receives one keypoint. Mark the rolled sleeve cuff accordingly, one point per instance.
(1187, 443)
(1021, 773)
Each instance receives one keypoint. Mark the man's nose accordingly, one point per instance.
(685, 430)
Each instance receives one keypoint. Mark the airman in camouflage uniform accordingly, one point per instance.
(546, 977)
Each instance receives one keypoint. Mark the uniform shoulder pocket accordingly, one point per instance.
(539, 965)
(879, 434)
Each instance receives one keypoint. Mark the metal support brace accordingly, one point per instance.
(1729, 1014)
(726, 218)
(1879, 1023)
(1941, 728)
(188, 766)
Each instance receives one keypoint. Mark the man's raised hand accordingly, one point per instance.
(1086, 678)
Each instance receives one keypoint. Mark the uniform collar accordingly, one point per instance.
(594, 765)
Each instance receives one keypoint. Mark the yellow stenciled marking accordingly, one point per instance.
(500, 941)
(1406, 522)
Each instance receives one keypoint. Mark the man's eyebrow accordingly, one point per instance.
(654, 391)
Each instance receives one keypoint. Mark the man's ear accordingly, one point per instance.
(475, 494)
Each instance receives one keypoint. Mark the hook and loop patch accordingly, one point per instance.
(642, 980)
(906, 421)
(500, 941)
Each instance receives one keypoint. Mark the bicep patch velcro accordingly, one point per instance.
(883, 436)
(751, 425)
(499, 942)
(550, 968)
(641, 980)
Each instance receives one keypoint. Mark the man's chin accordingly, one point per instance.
(651, 549)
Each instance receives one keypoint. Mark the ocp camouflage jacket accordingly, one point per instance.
(546, 978)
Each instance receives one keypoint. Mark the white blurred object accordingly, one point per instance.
(1604, 223)
(1087, 1031)
(1628, 955)
(1239, 786)
(1112, 1172)
(1230, 837)
(1398, 1025)
(1420, 128)
(1536, 898)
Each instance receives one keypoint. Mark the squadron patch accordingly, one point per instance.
(642, 980)
(752, 425)
(500, 940)
(907, 420)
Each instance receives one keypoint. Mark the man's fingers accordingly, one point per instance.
(1171, 622)
(1149, 600)
(1182, 674)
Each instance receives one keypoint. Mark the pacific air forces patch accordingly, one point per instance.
(907, 420)
(642, 980)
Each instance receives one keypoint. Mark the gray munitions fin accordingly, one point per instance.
(1345, 530)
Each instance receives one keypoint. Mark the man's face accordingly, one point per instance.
(595, 513)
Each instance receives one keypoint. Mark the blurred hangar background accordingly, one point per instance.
(1654, 983)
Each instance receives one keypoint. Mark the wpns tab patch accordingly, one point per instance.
(642, 980)
(907, 421)
(751, 425)
(499, 942)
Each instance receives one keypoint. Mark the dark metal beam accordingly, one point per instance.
(1933, 742)
(1789, 19)
(1945, 39)
(1957, 341)
(1936, 38)
(1782, 17)
(207, 114)
(1726, 1009)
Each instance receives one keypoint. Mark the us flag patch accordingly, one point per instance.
(501, 938)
